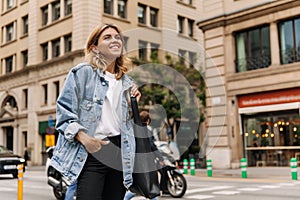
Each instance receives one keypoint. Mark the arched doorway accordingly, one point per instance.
(8, 113)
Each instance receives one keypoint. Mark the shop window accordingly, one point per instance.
(154, 17)
(253, 49)
(68, 43)
(122, 7)
(108, 6)
(142, 14)
(55, 10)
(44, 15)
(289, 37)
(56, 47)
(68, 7)
(45, 51)
(25, 24)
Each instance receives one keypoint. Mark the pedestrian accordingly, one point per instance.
(96, 142)
(26, 157)
(146, 120)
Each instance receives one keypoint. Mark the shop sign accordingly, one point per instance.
(269, 98)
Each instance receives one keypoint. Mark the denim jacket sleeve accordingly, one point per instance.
(67, 108)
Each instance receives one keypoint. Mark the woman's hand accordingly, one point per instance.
(135, 92)
(91, 144)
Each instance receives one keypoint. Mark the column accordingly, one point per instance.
(274, 45)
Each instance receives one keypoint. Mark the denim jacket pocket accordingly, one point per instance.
(85, 111)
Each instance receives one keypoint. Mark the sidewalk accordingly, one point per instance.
(252, 172)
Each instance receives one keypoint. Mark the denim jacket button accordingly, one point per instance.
(80, 159)
(103, 83)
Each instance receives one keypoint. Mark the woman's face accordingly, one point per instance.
(110, 44)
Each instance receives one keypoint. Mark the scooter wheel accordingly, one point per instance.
(179, 188)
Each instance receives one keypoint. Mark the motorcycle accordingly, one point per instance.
(54, 178)
(172, 181)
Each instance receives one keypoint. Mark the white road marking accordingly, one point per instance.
(249, 189)
(199, 197)
(269, 186)
(207, 189)
(226, 192)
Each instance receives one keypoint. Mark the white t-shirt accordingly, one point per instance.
(108, 124)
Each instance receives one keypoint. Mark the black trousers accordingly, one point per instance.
(102, 177)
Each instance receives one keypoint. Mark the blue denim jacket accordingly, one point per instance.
(79, 107)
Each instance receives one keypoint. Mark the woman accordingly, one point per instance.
(96, 142)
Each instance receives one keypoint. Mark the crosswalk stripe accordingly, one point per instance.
(199, 197)
(269, 186)
(207, 189)
(226, 192)
(249, 189)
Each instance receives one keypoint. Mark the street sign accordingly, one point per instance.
(50, 140)
(50, 121)
(50, 130)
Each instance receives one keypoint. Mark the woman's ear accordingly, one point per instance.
(94, 49)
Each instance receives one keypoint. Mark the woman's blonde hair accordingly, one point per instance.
(123, 63)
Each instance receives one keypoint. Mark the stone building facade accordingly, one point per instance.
(42, 40)
(252, 75)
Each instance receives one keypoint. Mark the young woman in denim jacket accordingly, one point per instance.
(96, 143)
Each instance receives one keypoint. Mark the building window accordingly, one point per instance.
(125, 42)
(190, 27)
(289, 36)
(44, 15)
(45, 94)
(68, 43)
(56, 87)
(9, 64)
(181, 56)
(55, 10)
(190, 2)
(25, 57)
(122, 6)
(25, 98)
(253, 49)
(180, 21)
(68, 7)
(45, 51)
(142, 50)
(9, 32)
(153, 17)
(25, 24)
(55, 48)
(108, 6)
(142, 14)
(9, 4)
(154, 52)
(192, 58)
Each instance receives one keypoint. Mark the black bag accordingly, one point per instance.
(145, 177)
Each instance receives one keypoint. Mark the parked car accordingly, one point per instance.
(9, 162)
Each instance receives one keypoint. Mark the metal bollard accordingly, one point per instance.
(20, 181)
(293, 164)
(185, 166)
(192, 166)
(244, 167)
(209, 168)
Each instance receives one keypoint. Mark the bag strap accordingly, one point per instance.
(135, 111)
